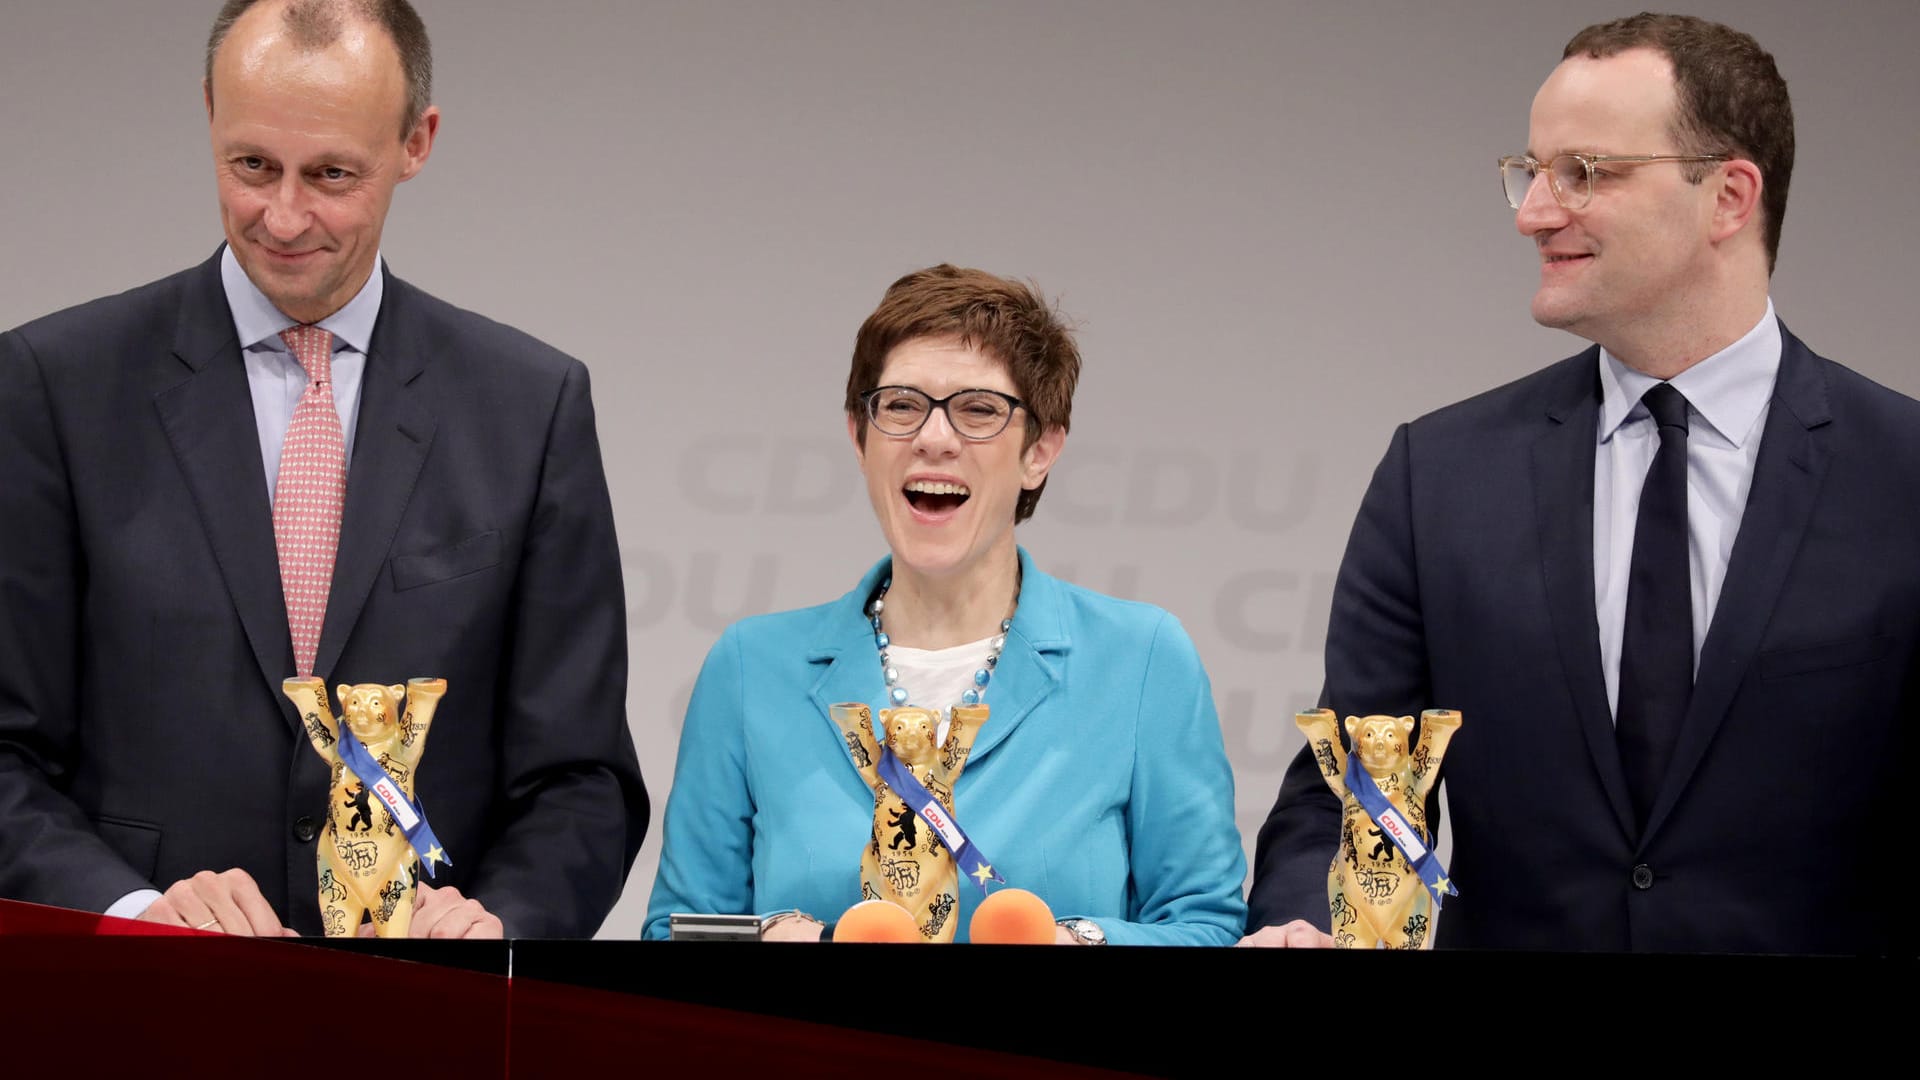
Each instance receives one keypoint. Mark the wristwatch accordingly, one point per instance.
(1085, 931)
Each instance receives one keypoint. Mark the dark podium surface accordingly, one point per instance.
(89, 995)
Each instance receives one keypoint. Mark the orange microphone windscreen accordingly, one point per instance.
(876, 920)
(1012, 917)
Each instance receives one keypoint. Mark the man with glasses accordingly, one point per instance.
(1671, 583)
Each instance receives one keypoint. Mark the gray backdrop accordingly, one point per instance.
(1278, 225)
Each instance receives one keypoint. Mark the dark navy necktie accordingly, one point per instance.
(1656, 646)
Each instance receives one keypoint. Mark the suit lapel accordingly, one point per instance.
(1562, 470)
(1032, 664)
(208, 419)
(395, 432)
(1786, 483)
(842, 646)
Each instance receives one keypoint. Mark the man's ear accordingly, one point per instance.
(1039, 458)
(419, 142)
(1736, 201)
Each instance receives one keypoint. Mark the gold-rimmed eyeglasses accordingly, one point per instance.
(1570, 176)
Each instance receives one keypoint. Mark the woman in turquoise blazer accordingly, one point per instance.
(1099, 781)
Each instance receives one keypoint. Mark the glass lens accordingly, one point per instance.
(898, 410)
(979, 414)
(1516, 173)
(1572, 181)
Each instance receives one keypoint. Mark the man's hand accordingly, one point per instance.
(228, 902)
(444, 913)
(1298, 934)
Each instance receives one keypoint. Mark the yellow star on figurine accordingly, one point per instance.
(983, 873)
(1442, 885)
(434, 854)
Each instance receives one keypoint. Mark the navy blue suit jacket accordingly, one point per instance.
(143, 636)
(1468, 584)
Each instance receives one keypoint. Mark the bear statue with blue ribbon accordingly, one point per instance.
(917, 850)
(376, 833)
(1386, 884)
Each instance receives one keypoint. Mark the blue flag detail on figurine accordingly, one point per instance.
(406, 812)
(1401, 832)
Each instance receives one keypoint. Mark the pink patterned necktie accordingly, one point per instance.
(310, 495)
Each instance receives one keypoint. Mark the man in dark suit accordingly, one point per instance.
(285, 461)
(1671, 583)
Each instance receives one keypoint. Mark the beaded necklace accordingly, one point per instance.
(897, 695)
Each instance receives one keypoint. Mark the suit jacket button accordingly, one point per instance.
(305, 829)
(1643, 876)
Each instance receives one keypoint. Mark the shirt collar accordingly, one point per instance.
(256, 320)
(1727, 389)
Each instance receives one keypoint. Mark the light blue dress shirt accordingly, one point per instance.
(1727, 399)
(276, 379)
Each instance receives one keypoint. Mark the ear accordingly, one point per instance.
(419, 142)
(853, 436)
(1406, 725)
(1736, 200)
(206, 94)
(1352, 722)
(1039, 457)
(342, 691)
(396, 694)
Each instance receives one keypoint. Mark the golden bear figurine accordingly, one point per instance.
(1374, 895)
(368, 867)
(904, 860)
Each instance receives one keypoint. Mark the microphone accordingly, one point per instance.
(877, 920)
(1012, 917)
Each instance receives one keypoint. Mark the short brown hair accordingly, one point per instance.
(1732, 99)
(316, 24)
(1006, 319)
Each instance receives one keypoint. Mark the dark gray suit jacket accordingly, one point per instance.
(143, 637)
(1468, 584)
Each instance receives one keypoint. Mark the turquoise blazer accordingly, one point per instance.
(1099, 781)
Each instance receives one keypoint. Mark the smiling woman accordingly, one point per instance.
(1073, 735)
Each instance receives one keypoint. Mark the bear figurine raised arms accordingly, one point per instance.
(375, 833)
(1385, 884)
(905, 859)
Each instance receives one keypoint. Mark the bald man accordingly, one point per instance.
(285, 462)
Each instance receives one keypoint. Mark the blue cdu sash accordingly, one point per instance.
(406, 812)
(1398, 829)
(922, 802)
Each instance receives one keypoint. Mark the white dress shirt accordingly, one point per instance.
(1727, 400)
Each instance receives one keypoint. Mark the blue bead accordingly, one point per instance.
(899, 695)
(971, 697)
(1006, 625)
(980, 677)
(876, 622)
(882, 640)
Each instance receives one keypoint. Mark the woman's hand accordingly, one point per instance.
(791, 926)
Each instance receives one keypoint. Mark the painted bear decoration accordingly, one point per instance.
(367, 861)
(904, 860)
(1375, 896)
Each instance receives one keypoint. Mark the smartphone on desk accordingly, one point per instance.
(687, 926)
